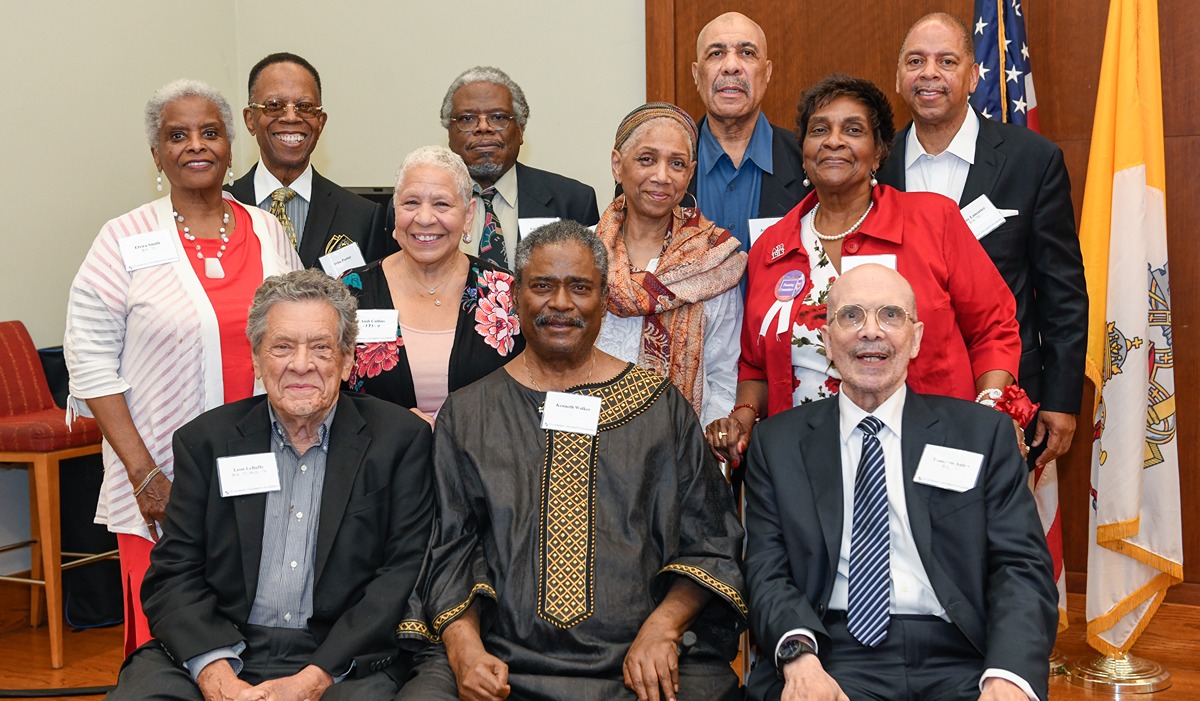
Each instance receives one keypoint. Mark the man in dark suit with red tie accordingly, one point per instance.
(893, 547)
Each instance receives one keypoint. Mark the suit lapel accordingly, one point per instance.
(920, 428)
(321, 210)
(775, 188)
(250, 510)
(892, 172)
(823, 457)
(533, 199)
(243, 188)
(989, 161)
(347, 445)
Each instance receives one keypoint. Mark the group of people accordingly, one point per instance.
(480, 461)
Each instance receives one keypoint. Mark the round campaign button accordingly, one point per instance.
(789, 286)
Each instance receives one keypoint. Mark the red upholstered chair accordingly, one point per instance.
(33, 433)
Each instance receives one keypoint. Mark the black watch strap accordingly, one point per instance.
(790, 650)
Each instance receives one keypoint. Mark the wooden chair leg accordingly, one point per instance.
(45, 470)
(36, 592)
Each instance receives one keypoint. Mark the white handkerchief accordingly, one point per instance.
(577, 413)
(148, 249)
(248, 474)
(948, 468)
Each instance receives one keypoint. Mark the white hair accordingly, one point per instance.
(487, 74)
(438, 157)
(179, 89)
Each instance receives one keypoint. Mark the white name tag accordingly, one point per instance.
(341, 260)
(982, 216)
(887, 260)
(148, 250)
(248, 474)
(948, 468)
(577, 413)
(377, 325)
(527, 226)
(757, 226)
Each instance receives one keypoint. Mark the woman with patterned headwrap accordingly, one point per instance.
(674, 299)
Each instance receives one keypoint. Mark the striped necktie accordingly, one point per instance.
(870, 579)
(278, 199)
(491, 240)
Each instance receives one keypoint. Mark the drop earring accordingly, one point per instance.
(159, 179)
(230, 176)
(874, 182)
(805, 182)
(466, 237)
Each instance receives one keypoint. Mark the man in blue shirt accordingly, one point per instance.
(746, 168)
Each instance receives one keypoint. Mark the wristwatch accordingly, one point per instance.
(791, 650)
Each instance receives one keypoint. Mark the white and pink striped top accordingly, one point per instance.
(151, 335)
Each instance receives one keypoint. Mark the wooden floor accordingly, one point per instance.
(94, 656)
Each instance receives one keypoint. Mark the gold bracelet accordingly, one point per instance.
(146, 482)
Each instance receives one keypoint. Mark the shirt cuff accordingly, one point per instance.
(797, 633)
(345, 674)
(232, 653)
(1009, 676)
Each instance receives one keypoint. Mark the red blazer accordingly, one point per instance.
(968, 310)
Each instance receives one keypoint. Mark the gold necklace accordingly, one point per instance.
(587, 380)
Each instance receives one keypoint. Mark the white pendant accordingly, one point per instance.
(213, 269)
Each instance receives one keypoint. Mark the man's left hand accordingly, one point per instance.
(306, 685)
(998, 689)
(1055, 429)
(653, 663)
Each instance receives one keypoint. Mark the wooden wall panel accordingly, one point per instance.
(1066, 38)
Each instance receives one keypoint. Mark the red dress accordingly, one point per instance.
(968, 310)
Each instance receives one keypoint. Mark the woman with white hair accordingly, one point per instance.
(451, 313)
(156, 319)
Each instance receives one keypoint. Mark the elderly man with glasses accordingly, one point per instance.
(894, 549)
(286, 117)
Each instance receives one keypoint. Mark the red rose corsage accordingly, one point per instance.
(1014, 402)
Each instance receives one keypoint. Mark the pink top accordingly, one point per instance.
(428, 354)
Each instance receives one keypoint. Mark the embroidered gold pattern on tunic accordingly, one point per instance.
(721, 588)
(452, 613)
(568, 499)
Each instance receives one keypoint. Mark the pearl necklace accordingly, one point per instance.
(212, 266)
(812, 224)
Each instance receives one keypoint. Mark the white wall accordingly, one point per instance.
(73, 152)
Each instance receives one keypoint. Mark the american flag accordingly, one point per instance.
(1005, 91)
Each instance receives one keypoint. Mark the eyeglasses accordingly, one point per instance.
(278, 108)
(496, 120)
(851, 317)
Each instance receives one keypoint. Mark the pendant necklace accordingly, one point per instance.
(433, 290)
(212, 266)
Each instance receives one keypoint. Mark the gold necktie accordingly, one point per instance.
(278, 199)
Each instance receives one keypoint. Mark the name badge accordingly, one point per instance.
(377, 325)
(248, 474)
(948, 468)
(148, 250)
(341, 260)
(528, 225)
(982, 217)
(887, 260)
(577, 413)
(757, 226)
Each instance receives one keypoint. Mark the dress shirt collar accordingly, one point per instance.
(758, 151)
(891, 413)
(962, 145)
(506, 187)
(266, 183)
(322, 431)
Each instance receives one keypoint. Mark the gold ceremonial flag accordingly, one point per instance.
(1137, 549)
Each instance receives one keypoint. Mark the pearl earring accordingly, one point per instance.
(874, 182)
(159, 179)
(231, 176)
(805, 182)
(466, 237)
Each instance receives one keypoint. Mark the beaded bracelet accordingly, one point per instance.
(146, 482)
(745, 406)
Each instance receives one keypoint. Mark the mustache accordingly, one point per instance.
(546, 319)
(873, 347)
(735, 81)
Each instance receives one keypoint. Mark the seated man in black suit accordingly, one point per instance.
(285, 116)
(894, 550)
(484, 113)
(296, 525)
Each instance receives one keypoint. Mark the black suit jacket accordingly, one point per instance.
(336, 217)
(375, 520)
(1036, 251)
(783, 189)
(983, 549)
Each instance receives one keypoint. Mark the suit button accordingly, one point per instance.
(852, 247)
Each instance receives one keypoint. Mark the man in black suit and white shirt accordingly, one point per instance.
(951, 149)
(296, 526)
(894, 550)
(286, 117)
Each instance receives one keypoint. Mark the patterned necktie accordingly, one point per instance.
(870, 579)
(279, 198)
(491, 241)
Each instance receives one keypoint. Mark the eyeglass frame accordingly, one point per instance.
(878, 322)
(317, 110)
(487, 119)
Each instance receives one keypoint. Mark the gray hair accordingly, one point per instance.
(309, 285)
(437, 157)
(487, 74)
(177, 90)
(559, 232)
